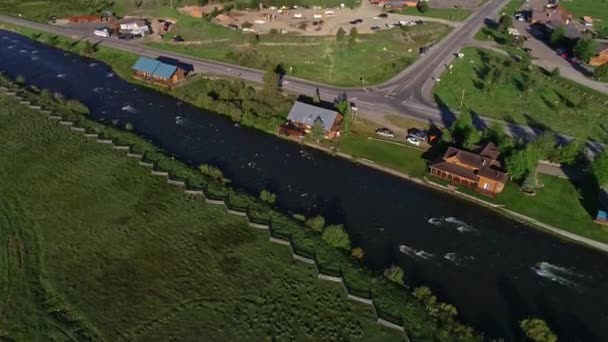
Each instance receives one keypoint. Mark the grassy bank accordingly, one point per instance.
(496, 86)
(373, 57)
(598, 10)
(441, 13)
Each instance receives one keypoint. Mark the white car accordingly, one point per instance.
(413, 140)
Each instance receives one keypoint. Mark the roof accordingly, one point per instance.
(490, 151)
(165, 70)
(138, 22)
(456, 170)
(307, 114)
(491, 173)
(154, 67)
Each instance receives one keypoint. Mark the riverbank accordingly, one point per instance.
(408, 164)
(330, 263)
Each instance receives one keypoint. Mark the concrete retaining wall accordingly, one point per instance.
(104, 141)
(146, 164)
(121, 147)
(77, 129)
(235, 212)
(258, 225)
(134, 155)
(216, 202)
(91, 135)
(66, 123)
(193, 192)
(330, 278)
(159, 173)
(176, 182)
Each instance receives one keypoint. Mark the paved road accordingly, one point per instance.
(407, 94)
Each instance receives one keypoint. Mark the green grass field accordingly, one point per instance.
(442, 13)
(375, 57)
(97, 248)
(597, 9)
(526, 98)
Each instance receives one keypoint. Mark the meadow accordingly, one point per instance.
(372, 57)
(496, 86)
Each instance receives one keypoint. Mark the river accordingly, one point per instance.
(496, 271)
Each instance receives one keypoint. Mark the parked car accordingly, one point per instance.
(418, 134)
(383, 15)
(413, 140)
(375, 28)
(385, 132)
(178, 39)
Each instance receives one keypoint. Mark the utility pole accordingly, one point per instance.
(462, 98)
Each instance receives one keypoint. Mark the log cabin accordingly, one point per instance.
(303, 116)
(478, 169)
(157, 72)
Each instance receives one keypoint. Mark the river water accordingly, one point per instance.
(494, 270)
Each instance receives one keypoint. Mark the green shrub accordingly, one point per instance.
(336, 236)
(268, 197)
(299, 217)
(129, 126)
(394, 274)
(76, 106)
(213, 172)
(20, 79)
(316, 223)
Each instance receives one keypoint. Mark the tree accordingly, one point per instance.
(567, 154)
(601, 73)
(558, 36)
(87, 48)
(213, 172)
(336, 236)
(599, 168)
(394, 274)
(585, 48)
(517, 164)
(340, 35)
(537, 330)
(316, 223)
(214, 13)
(268, 197)
(464, 131)
(318, 130)
(504, 23)
(422, 6)
(271, 80)
(352, 37)
(343, 107)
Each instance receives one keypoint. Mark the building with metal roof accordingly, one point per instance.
(305, 115)
(157, 71)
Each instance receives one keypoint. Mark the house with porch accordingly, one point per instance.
(478, 169)
(157, 72)
(303, 116)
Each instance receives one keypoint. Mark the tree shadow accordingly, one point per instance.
(447, 115)
(188, 68)
(517, 307)
(310, 100)
(548, 102)
(537, 127)
(478, 122)
(516, 130)
(565, 100)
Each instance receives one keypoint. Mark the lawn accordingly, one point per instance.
(97, 248)
(597, 9)
(393, 153)
(560, 203)
(442, 13)
(374, 57)
(497, 87)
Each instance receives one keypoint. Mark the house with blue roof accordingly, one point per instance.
(157, 72)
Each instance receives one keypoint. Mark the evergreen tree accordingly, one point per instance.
(271, 80)
(340, 35)
(318, 130)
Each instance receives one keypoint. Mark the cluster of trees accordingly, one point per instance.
(264, 108)
(422, 6)
(584, 47)
(537, 330)
(213, 173)
(446, 315)
(521, 159)
(268, 197)
(395, 274)
(334, 235)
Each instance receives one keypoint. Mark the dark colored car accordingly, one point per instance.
(125, 36)
(178, 39)
(382, 15)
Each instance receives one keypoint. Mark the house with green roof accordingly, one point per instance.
(157, 72)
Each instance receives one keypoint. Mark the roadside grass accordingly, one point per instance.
(489, 32)
(374, 57)
(597, 9)
(441, 13)
(521, 97)
(98, 247)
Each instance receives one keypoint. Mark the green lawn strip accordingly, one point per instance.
(401, 158)
(374, 57)
(150, 252)
(441, 13)
(547, 103)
